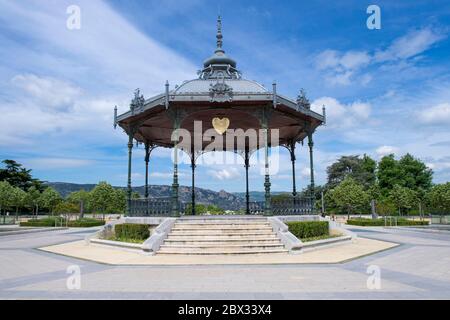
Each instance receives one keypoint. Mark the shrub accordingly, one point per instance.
(308, 229)
(86, 223)
(132, 231)
(58, 221)
(380, 222)
(45, 222)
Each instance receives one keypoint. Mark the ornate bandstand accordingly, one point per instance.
(222, 101)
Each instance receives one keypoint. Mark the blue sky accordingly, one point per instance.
(386, 90)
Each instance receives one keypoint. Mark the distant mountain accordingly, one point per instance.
(223, 199)
(256, 195)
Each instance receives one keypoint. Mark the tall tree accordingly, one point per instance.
(18, 176)
(403, 198)
(102, 197)
(49, 199)
(81, 199)
(32, 199)
(5, 195)
(389, 173)
(349, 195)
(18, 197)
(439, 198)
(407, 172)
(360, 169)
(415, 174)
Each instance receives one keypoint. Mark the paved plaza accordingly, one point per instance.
(419, 268)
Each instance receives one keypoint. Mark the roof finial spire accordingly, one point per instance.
(219, 35)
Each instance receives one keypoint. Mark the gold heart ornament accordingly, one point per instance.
(220, 125)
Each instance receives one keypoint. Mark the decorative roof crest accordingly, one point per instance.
(302, 101)
(137, 104)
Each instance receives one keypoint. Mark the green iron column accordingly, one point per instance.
(292, 152)
(311, 165)
(247, 193)
(147, 159)
(130, 153)
(267, 204)
(193, 183)
(175, 185)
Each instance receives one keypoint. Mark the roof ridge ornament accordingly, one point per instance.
(219, 62)
(137, 104)
(302, 100)
(219, 35)
(220, 91)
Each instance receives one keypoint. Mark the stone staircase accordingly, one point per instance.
(217, 236)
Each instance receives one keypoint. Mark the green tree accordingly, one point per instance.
(32, 199)
(6, 191)
(415, 174)
(403, 198)
(81, 199)
(199, 209)
(360, 169)
(49, 199)
(66, 208)
(119, 203)
(102, 198)
(213, 209)
(18, 176)
(407, 172)
(18, 197)
(349, 195)
(389, 173)
(439, 198)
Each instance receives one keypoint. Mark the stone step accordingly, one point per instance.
(223, 246)
(218, 251)
(221, 233)
(221, 238)
(222, 242)
(224, 221)
(221, 228)
(221, 225)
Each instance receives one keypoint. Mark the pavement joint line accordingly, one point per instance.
(199, 264)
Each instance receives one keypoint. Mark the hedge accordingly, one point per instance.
(86, 223)
(381, 223)
(308, 229)
(132, 231)
(51, 221)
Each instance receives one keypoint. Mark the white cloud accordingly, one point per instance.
(225, 173)
(346, 68)
(57, 163)
(436, 115)
(386, 150)
(48, 92)
(305, 173)
(340, 68)
(410, 45)
(342, 115)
